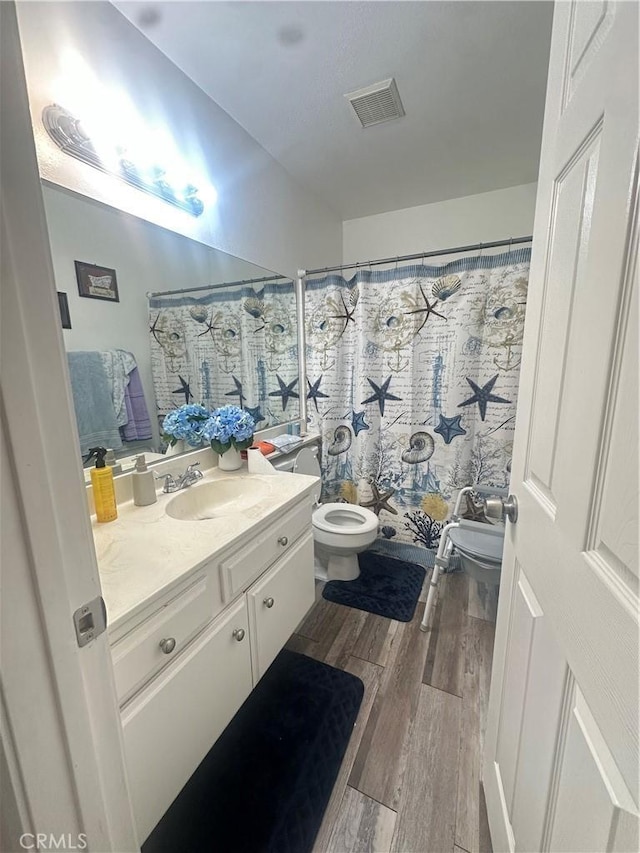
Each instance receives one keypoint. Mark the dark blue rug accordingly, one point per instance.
(385, 586)
(266, 782)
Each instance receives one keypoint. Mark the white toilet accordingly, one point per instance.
(340, 530)
(480, 553)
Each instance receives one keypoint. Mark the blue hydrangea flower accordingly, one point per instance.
(229, 425)
(186, 424)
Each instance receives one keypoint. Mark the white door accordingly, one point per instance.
(561, 748)
(64, 784)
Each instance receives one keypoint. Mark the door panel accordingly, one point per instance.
(561, 768)
(572, 210)
(591, 791)
(588, 27)
(547, 678)
(612, 539)
(525, 611)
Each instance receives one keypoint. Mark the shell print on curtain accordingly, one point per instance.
(234, 345)
(412, 382)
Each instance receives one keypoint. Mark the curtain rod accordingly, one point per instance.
(510, 242)
(150, 294)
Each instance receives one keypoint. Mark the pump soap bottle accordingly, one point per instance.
(144, 485)
(112, 462)
(104, 492)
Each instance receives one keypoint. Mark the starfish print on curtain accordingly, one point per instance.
(449, 428)
(428, 310)
(315, 393)
(237, 392)
(286, 391)
(482, 396)
(185, 389)
(380, 394)
(380, 500)
(347, 316)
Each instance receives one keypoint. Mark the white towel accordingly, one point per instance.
(118, 364)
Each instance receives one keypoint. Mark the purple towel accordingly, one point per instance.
(138, 426)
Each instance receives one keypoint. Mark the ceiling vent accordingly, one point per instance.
(377, 103)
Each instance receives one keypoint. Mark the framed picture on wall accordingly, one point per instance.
(96, 282)
(63, 304)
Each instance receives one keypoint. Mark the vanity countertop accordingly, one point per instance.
(145, 551)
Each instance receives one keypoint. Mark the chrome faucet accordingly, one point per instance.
(183, 481)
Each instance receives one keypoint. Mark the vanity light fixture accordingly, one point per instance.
(70, 136)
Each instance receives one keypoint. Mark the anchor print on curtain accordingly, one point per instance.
(412, 382)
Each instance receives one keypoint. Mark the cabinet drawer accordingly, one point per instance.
(249, 562)
(169, 727)
(278, 602)
(138, 655)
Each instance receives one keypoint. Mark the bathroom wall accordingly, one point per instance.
(72, 50)
(479, 218)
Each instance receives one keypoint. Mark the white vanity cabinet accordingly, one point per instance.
(277, 603)
(185, 664)
(171, 725)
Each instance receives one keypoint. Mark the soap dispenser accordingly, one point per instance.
(112, 462)
(144, 484)
(104, 492)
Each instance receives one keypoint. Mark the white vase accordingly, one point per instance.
(179, 447)
(230, 460)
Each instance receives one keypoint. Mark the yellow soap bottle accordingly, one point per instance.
(104, 491)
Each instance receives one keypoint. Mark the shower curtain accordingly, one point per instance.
(412, 381)
(235, 345)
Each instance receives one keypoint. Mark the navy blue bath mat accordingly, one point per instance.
(385, 586)
(266, 782)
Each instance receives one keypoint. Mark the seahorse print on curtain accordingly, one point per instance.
(412, 382)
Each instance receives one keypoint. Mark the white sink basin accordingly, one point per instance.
(217, 499)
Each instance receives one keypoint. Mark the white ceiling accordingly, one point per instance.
(471, 76)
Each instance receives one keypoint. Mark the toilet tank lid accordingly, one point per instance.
(306, 462)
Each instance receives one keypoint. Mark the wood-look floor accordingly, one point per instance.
(410, 780)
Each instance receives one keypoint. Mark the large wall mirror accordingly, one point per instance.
(159, 320)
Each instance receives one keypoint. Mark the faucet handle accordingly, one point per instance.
(192, 467)
(169, 482)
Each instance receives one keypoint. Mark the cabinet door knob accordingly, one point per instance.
(283, 540)
(238, 634)
(167, 645)
(268, 602)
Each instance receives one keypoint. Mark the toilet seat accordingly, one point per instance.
(483, 547)
(345, 519)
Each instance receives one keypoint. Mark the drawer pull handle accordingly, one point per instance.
(238, 634)
(268, 602)
(283, 541)
(168, 645)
